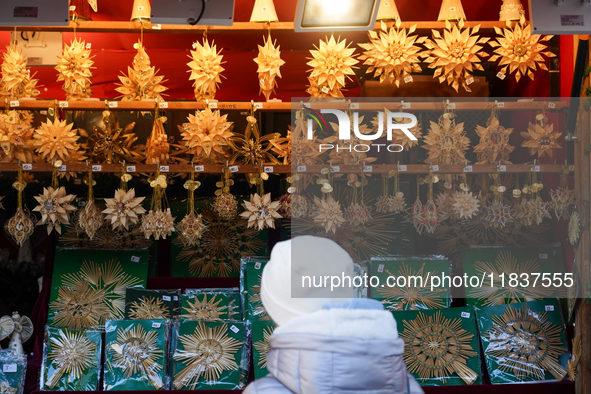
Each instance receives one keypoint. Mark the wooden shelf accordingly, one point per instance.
(236, 28)
(287, 169)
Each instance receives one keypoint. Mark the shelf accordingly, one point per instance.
(113, 105)
(287, 169)
(236, 28)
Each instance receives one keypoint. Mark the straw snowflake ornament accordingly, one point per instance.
(16, 136)
(269, 62)
(55, 208)
(494, 144)
(260, 211)
(205, 135)
(519, 51)
(123, 209)
(465, 205)
(57, 141)
(329, 214)
(392, 54)
(446, 141)
(74, 70)
(206, 68)
(204, 309)
(540, 137)
(332, 64)
(16, 78)
(111, 143)
(456, 54)
(141, 81)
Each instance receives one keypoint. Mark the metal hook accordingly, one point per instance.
(19, 164)
(87, 165)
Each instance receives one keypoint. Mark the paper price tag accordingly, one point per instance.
(157, 27)
(469, 81)
(166, 298)
(234, 169)
(27, 167)
(468, 169)
(156, 325)
(571, 168)
(302, 169)
(551, 105)
(544, 256)
(502, 168)
(130, 169)
(500, 105)
(535, 169)
(306, 105)
(407, 79)
(113, 104)
(199, 168)
(191, 296)
(72, 8)
(257, 266)
(402, 168)
(381, 268)
(354, 105)
(368, 169)
(64, 104)
(335, 169)
(9, 368)
(162, 105)
(466, 315)
(501, 75)
(405, 105)
(81, 203)
(435, 168)
(164, 169)
(386, 4)
(268, 169)
(258, 105)
(213, 105)
(264, 9)
(234, 329)
(176, 298)
(15, 103)
(549, 308)
(62, 168)
(135, 259)
(88, 45)
(97, 168)
(451, 106)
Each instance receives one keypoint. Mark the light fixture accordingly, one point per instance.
(511, 10)
(141, 11)
(387, 10)
(451, 10)
(264, 11)
(336, 15)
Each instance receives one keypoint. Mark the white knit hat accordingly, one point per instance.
(298, 257)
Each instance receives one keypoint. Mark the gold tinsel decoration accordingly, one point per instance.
(412, 297)
(111, 144)
(260, 211)
(123, 209)
(205, 136)
(329, 214)
(141, 82)
(74, 69)
(16, 78)
(148, 308)
(136, 351)
(22, 224)
(332, 63)
(55, 208)
(540, 137)
(72, 354)
(446, 141)
(207, 353)
(437, 347)
(157, 146)
(191, 227)
(15, 136)
(206, 68)
(520, 51)
(398, 136)
(392, 54)
(455, 55)
(57, 141)
(269, 62)
(526, 344)
(494, 147)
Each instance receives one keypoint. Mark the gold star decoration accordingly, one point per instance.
(16, 78)
(204, 309)
(494, 144)
(55, 208)
(520, 51)
(260, 211)
(124, 209)
(525, 344)
(111, 144)
(71, 353)
(141, 81)
(74, 69)
(148, 308)
(206, 68)
(540, 137)
(456, 55)
(392, 54)
(269, 64)
(205, 136)
(332, 64)
(207, 353)
(57, 141)
(329, 214)
(446, 141)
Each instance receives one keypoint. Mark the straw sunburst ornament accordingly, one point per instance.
(204, 309)
(141, 81)
(148, 308)
(263, 347)
(205, 135)
(206, 68)
(57, 141)
(332, 64)
(74, 69)
(270, 62)
(412, 297)
(72, 353)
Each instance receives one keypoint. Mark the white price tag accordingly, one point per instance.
(15, 103)
(435, 168)
(549, 308)
(466, 315)
(402, 168)
(166, 298)
(113, 104)
(469, 81)
(213, 105)
(535, 169)
(156, 325)
(502, 168)
(451, 106)
(551, 105)
(268, 169)
(571, 168)
(407, 79)
(325, 90)
(234, 169)
(234, 329)
(335, 169)
(191, 296)
(302, 168)
(257, 266)
(9, 368)
(258, 105)
(176, 298)
(97, 168)
(27, 167)
(62, 168)
(164, 169)
(544, 256)
(64, 104)
(81, 203)
(405, 105)
(88, 45)
(199, 168)
(135, 259)
(381, 268)
(500, 105)
(130, 169)
(501, 75)
(354, 105)
(468, 169)
(368, 169)
(162, 105)
(72, 8)
(157, 27)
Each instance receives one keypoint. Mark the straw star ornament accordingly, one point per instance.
(260, 211)
(494, 144)
(72, 353)
(124, 209)
(206, 68)
(446, 141)
(111, 143)
(141, 81)
(540, 137)
(57, 141)
(204, 309)
(149, 308)
(74, 70)
(330, 215)
(16, 78)
(269, 62)
(332, 64)
(55, 208)
(205, 136)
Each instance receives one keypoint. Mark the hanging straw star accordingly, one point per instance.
(206, 68)
(22, 224)
(74, 69)
(269, 62)
(90, 217)
(191, 227)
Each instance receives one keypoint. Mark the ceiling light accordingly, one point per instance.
(335, 15)
(263, 11)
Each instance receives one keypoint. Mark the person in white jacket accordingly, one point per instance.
(327, 345)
